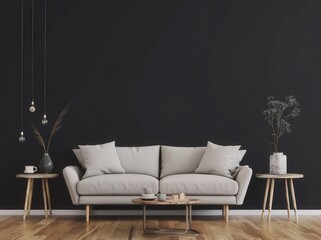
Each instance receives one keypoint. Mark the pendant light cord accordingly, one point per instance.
(21, 71)
(32, 50)
(45, 62)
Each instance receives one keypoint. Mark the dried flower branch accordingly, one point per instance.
(274, 115)
(56, 127)
(39, 137)
(58, 124)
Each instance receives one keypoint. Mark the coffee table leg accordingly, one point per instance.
(186, 219)
(164, 231)
(25, 212)
(190, 216)
(271, 198)
(144, 218)
(267, 186)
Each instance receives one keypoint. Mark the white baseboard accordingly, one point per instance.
(70, 212)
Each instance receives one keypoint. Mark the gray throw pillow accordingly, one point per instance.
(237, 160)
(100, 159)
(218, 160)
(79, 156)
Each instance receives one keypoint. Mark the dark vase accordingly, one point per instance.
(46, 164)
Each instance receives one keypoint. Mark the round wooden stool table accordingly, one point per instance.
(270, 180)
(45, 191)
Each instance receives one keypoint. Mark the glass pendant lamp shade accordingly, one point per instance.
(44, 120)
(32, 108)
(21, 137)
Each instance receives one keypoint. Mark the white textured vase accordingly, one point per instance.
(278, 163)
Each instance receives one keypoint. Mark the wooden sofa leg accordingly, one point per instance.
(226, 209)
(88, 208)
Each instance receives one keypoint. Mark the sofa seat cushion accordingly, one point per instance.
(198, 184)
(116, 184)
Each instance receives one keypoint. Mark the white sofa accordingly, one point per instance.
(172, 173)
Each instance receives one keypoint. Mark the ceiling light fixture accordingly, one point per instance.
(32, 107)
(21, 137)
(44, 120)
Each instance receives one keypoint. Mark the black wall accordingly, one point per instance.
(164, 72)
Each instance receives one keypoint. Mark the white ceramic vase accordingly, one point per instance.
(278, 163)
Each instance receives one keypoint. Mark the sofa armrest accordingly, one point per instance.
(72, 175)
(243, 178)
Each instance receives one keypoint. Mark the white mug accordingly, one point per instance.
(30, 169)
(161, 197)
(148, 190)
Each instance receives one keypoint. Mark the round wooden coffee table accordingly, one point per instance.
(169, 202)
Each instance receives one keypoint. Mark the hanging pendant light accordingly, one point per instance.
(44, 120)
(32, 107)
(21, 137)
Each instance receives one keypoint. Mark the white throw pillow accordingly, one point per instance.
(141, 160)
(218, 160)
(79, 156)
(180, 160)
(100, 159)
(237, 160)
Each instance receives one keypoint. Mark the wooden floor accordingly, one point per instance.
(238, 228)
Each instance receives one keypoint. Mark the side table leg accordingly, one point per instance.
(30, 195)
(271, 198)
(267, 186)
(48, 196)
(287, 197)
(44, 197)
(27, 200)
(294, 200)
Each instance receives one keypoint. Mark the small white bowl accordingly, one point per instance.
(148, 195)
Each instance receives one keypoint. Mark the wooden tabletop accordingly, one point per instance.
(279, 176)
(37, 175)
(167, 202)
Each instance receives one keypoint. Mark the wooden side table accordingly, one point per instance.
(270, 179)
(45, 191)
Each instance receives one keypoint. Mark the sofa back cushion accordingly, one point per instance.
(141, 160)
(180, 160)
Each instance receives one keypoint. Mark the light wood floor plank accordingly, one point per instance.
(130, 228)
